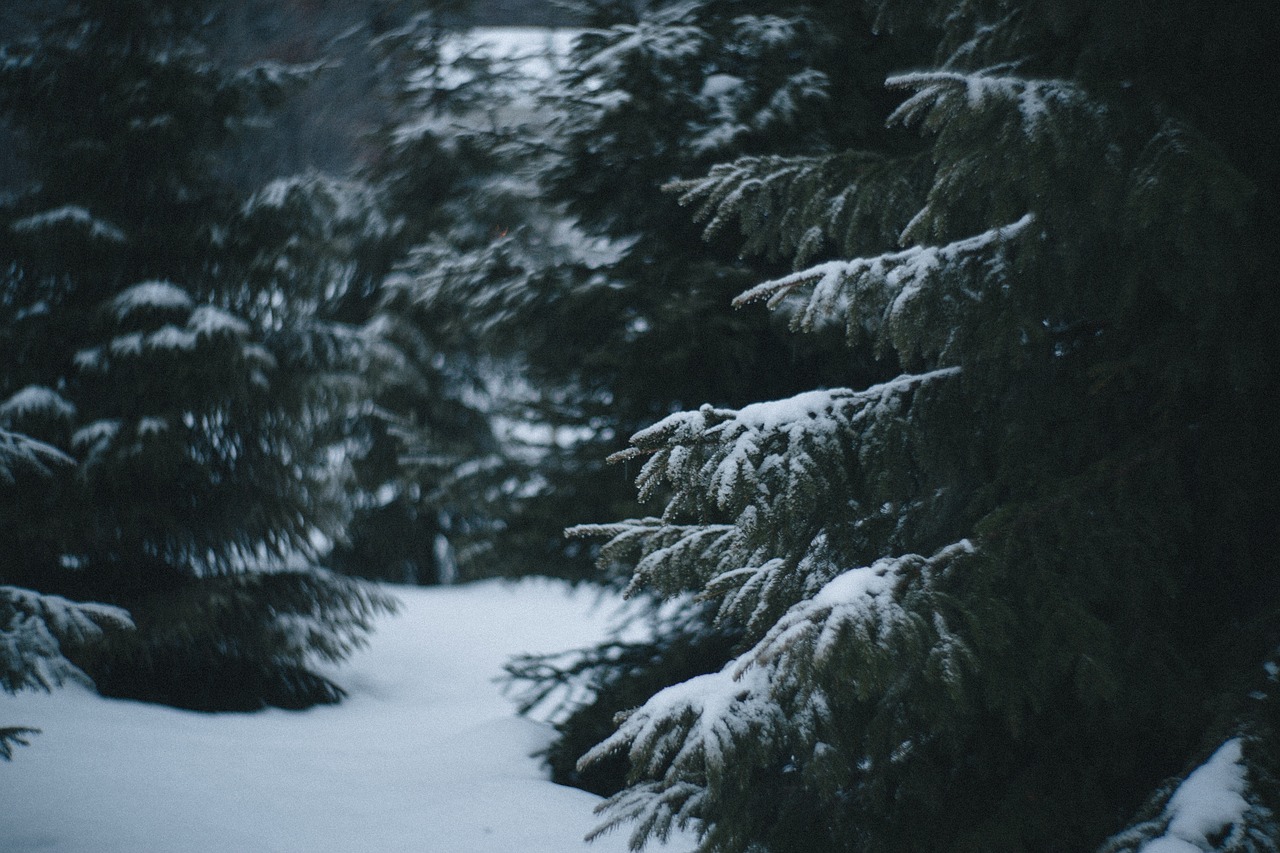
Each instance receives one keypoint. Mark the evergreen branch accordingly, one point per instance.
(667, 557)
(788, 476)
(942, 95)
(1214, 807)
(10, 735)
(33, 629)
(883, 296)
(797, 206)
(695, 730)
(19, 452)
(862, 607)
(654, 807)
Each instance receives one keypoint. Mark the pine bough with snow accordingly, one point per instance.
(1023, 589)
(561, 259)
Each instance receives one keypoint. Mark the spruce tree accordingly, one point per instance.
(581, 277)
(1023, 588)
(653, 93)
(34, 627)
(138, 314)
(424, 443)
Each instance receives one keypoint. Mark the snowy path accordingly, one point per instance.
(424, 756)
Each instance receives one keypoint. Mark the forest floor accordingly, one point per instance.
(426, 754)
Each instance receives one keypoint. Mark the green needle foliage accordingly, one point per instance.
(1017, 594)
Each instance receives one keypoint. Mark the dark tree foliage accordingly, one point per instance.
(144, 334)
(570, 268)
(425, 423)
(1018, 591)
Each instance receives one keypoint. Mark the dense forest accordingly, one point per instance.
(911, 364)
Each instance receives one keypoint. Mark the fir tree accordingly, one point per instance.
(34, 627)
(581, 278)
(137, 314)
(425, 446)
(995, 601)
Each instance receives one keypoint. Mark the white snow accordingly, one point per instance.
(151, 295)
(902, 274)
(1035, 99)
(36, 399)
(537, 51)
(717, 708)
(169, 337)
(425, 754)
(73, 215)
(95, 433)
(29, 638)
(1210, 800)
(208, 321)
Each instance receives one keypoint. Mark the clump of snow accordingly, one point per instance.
(152, 426)
(766, 30)
(425, 754)
(126, 345)
(95, 434)
(73, 216)
(902, 274)
(207, 321)
(32, 628)
(1207, 803)
(720, 707)
(151, 295)
(36, 400)
(339, 203)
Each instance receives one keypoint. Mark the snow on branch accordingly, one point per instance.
(151, 296)
(760, 452)
(941, 95)
(688, 739)
(663, 556)
(22, 453)
(863, 609)
(38, 401)
(796, 206)
(33, 628)
(269, 78)
(193, 327)
(1210, 810)
(69, 216)
(692, 739)
(884, 292)
(665, 36)
(779, 476)
(321, 203)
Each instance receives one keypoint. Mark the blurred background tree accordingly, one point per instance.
(143, 338)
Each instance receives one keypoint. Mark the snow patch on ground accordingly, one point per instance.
(425, 755)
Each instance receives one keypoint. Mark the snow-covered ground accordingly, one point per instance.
(425, 755)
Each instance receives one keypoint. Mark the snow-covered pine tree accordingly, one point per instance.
(425, 446)
(583, 275)
(33, 627)
(125, 315)
(993, 602)
(649, 95)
